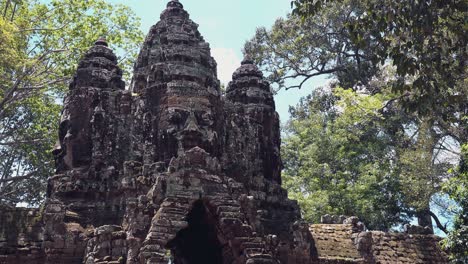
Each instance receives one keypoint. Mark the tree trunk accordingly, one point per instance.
(424, 218)
(6, 8)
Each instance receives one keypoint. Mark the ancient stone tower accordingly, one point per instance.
(172, 171)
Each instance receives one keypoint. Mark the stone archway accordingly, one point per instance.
(199, 241)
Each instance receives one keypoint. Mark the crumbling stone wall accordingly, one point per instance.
(349, 242)
(403, 248)
(20, 235)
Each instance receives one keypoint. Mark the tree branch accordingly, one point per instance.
(18, 178)
(438, 223)
(308, 76)
(15, 143)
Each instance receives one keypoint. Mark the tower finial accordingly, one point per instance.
(101, 41)
(174, 3)
(247, 60)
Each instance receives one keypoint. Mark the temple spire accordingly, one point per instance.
(174, 3)
(247, 60)
(101, 41)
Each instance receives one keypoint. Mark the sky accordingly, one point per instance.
(227, 25)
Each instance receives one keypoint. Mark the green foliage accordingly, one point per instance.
(306, 8)
(421, 176)
(41, 43)
(356, 153)
(9, 45)
(295, 50)
(457, 187)
(338, 159)
(425, 43)
(26, 152)
(425, 40)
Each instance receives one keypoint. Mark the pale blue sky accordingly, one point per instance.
(227, 25)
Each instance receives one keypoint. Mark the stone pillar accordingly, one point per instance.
(177, 90)
(89, 156)
(252, 125)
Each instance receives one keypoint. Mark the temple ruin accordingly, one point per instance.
(173, 171)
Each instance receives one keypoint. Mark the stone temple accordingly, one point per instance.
(173, 171)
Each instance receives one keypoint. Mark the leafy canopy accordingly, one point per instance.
(338, 159)
(414, 125)
(425, 40)
(294, 51)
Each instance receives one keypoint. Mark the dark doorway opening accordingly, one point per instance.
(198, 243)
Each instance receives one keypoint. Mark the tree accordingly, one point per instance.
(457, 187)
(422, 170)
(296, 50)
(339, 159)
(352, 153)
(426, 41)
(425, 44)
(41, 44)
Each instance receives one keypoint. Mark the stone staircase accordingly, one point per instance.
(249, 245)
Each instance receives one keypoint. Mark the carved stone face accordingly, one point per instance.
(185, 123)
(74, 146)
